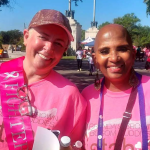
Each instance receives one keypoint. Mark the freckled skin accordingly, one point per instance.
(113, 48)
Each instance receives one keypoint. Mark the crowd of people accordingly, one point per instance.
(141, 53)
(112, 113)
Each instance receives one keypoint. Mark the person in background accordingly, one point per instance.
(147, 50)
(147, 64)
(118, 111)
(1, 51)
(84, 53)
(79, 56)
(12, 49)
(33, 94)
(90, 61)
(138, 51)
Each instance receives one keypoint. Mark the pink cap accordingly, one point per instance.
(49, 16)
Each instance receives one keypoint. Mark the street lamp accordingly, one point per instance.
(94, 23)
(70, 13)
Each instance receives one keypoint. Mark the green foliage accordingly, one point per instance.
(1, 39)
(11, 37)
(69, 57)
(70, 52)
(103, 24)
(21, 41)
(142, 37)
(83, 35)
(8, 3)
(140, 34)
(129, 21)
(147, 2)
(4, 2)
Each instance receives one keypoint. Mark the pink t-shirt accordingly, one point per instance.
(148, 57)
(60, 107)
(147, 52)
(114, 107)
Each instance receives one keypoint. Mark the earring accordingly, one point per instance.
(97, 83)
(133, 81)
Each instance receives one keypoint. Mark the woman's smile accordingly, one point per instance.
(115, 69)
(44, 57)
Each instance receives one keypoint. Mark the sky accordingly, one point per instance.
(106, 10)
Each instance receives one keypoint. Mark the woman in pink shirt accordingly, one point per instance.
(118, 112)
(33, 94)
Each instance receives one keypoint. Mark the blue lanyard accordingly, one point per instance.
(142, 117)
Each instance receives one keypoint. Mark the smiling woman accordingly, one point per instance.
(121, 92)
(31, 85)
(114, 55)
(46, 48)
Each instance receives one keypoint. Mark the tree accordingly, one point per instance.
(11, 37)
(21, 43)
(4, 2)
(142, 38)
(140, 34)
(82, 35)
(7, 3)
(1, 39)
(103, 24)
(129, 21)
(76, 1)
(147, 2)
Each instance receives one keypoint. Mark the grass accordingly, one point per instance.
(69, 57)
(6, 59)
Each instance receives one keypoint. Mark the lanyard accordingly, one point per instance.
(142, 117)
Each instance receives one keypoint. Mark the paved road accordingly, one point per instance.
(68, 68)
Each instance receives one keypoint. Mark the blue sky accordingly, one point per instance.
(106, 10)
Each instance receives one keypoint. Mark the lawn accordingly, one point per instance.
(69, 57)
(5, 59)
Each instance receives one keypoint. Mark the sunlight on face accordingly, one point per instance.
(113, 53)
(45, 46)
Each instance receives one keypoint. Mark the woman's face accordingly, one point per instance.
(113, 54)
(45, 46)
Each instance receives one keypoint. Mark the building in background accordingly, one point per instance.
(75, 26)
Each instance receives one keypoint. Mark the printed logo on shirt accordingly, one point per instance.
(46, 118)
(47, 114)
(132, 140)
(125, 146)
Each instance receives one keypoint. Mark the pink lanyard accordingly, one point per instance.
(18, 128)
